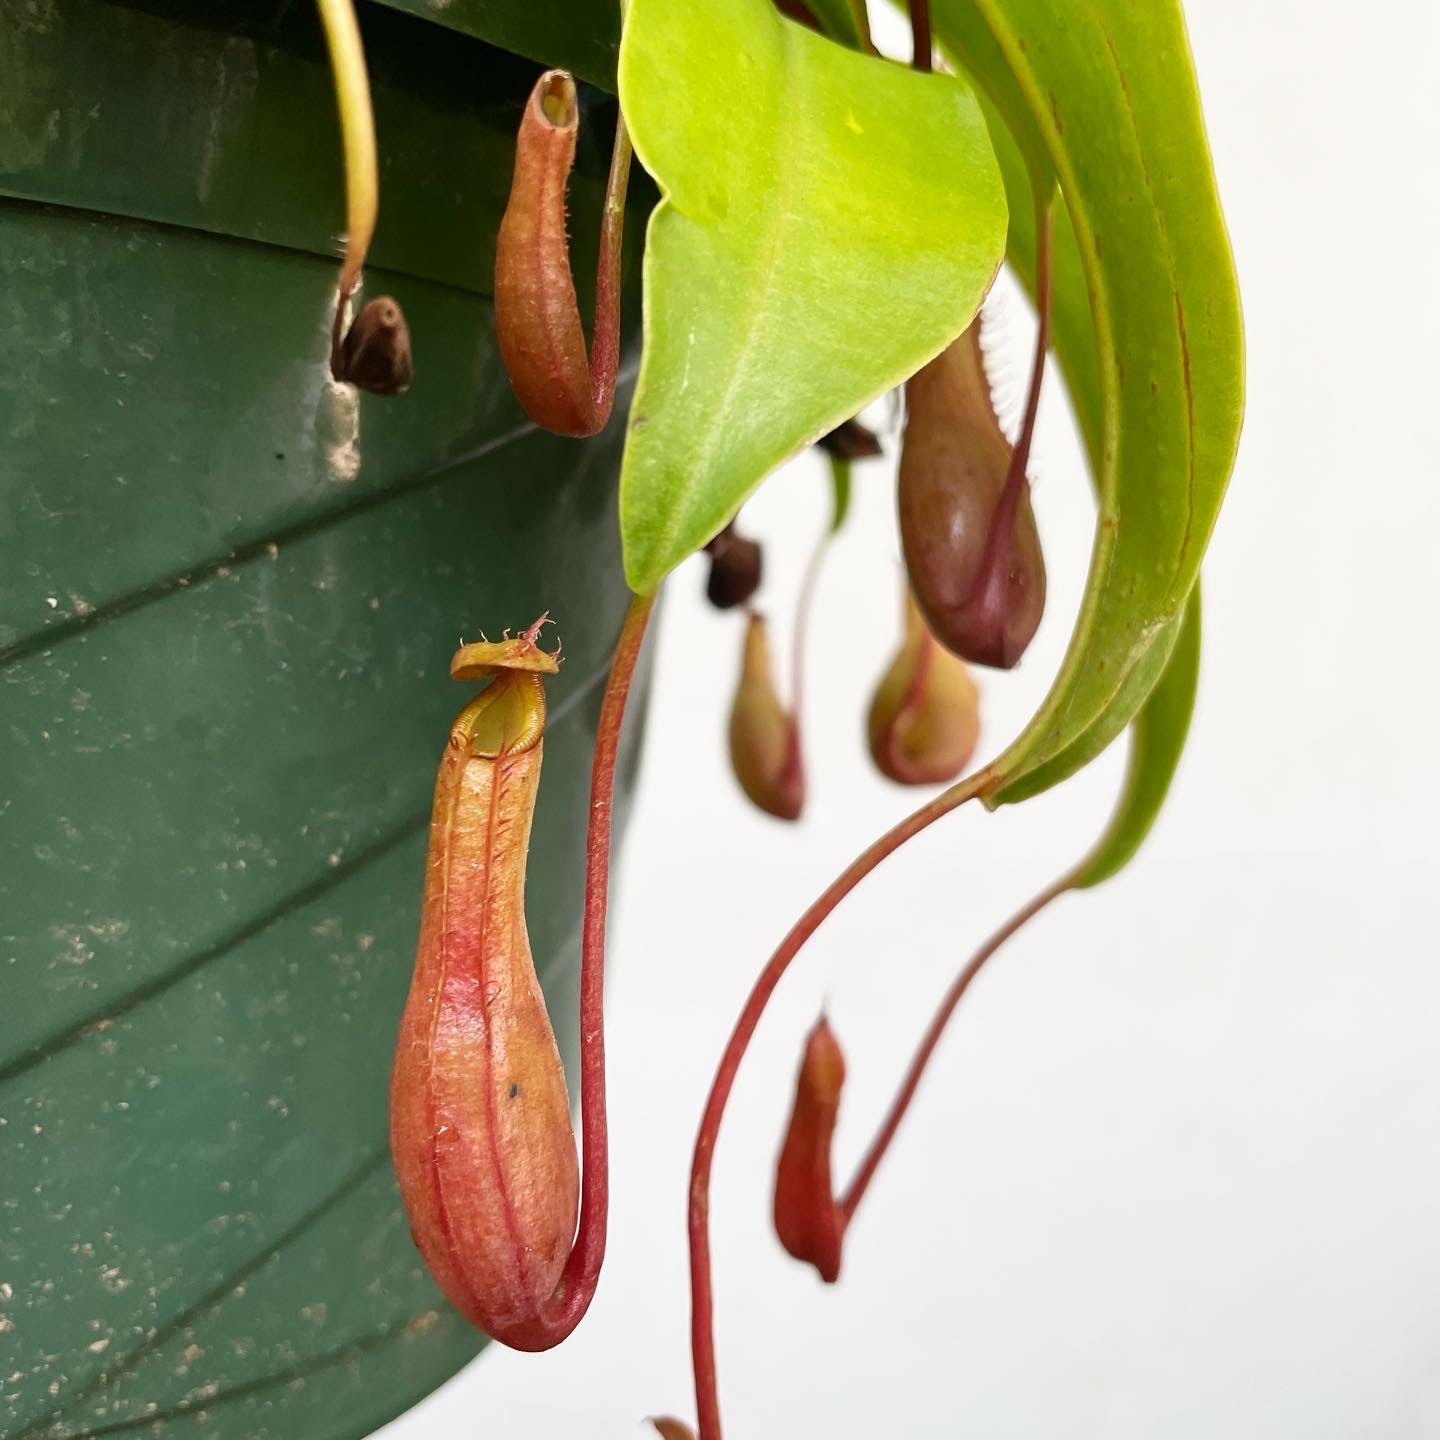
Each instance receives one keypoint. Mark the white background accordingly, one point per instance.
(1175, 1172)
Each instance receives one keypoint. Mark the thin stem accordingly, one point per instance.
(840, 472)
(881, 1143)
(993, 576)
(605, 341)
(605, 338)
(702, 1336)
(1020, 456)
(803, 606)
(357, 136)
(922, 48)
(582, 1269)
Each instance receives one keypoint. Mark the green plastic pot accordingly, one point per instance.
(225, 620)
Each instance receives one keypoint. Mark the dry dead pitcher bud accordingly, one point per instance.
(736, 565)
(925, 716)
(966, 523)
(375, 353)
(479, 1115)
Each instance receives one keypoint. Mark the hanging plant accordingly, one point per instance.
(856, 210)
(828, 226)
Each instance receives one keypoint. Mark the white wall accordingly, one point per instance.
(1175, 1170)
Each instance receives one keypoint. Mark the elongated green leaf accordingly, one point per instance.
(1157, 740)
(1110, 90)
(830, 222)
(1160, 727)
(1107, 727)
(1003, 96)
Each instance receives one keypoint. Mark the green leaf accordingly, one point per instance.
(830, 222)
(1097, 737)
(1157, 740)
(1159, 728)
(1110, 90)
(1002, 94)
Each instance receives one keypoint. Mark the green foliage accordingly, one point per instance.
(1168, 673)
(1157, 739)
(1159, 728)
(1109, 89)
(815, 245)
(196, 1033)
